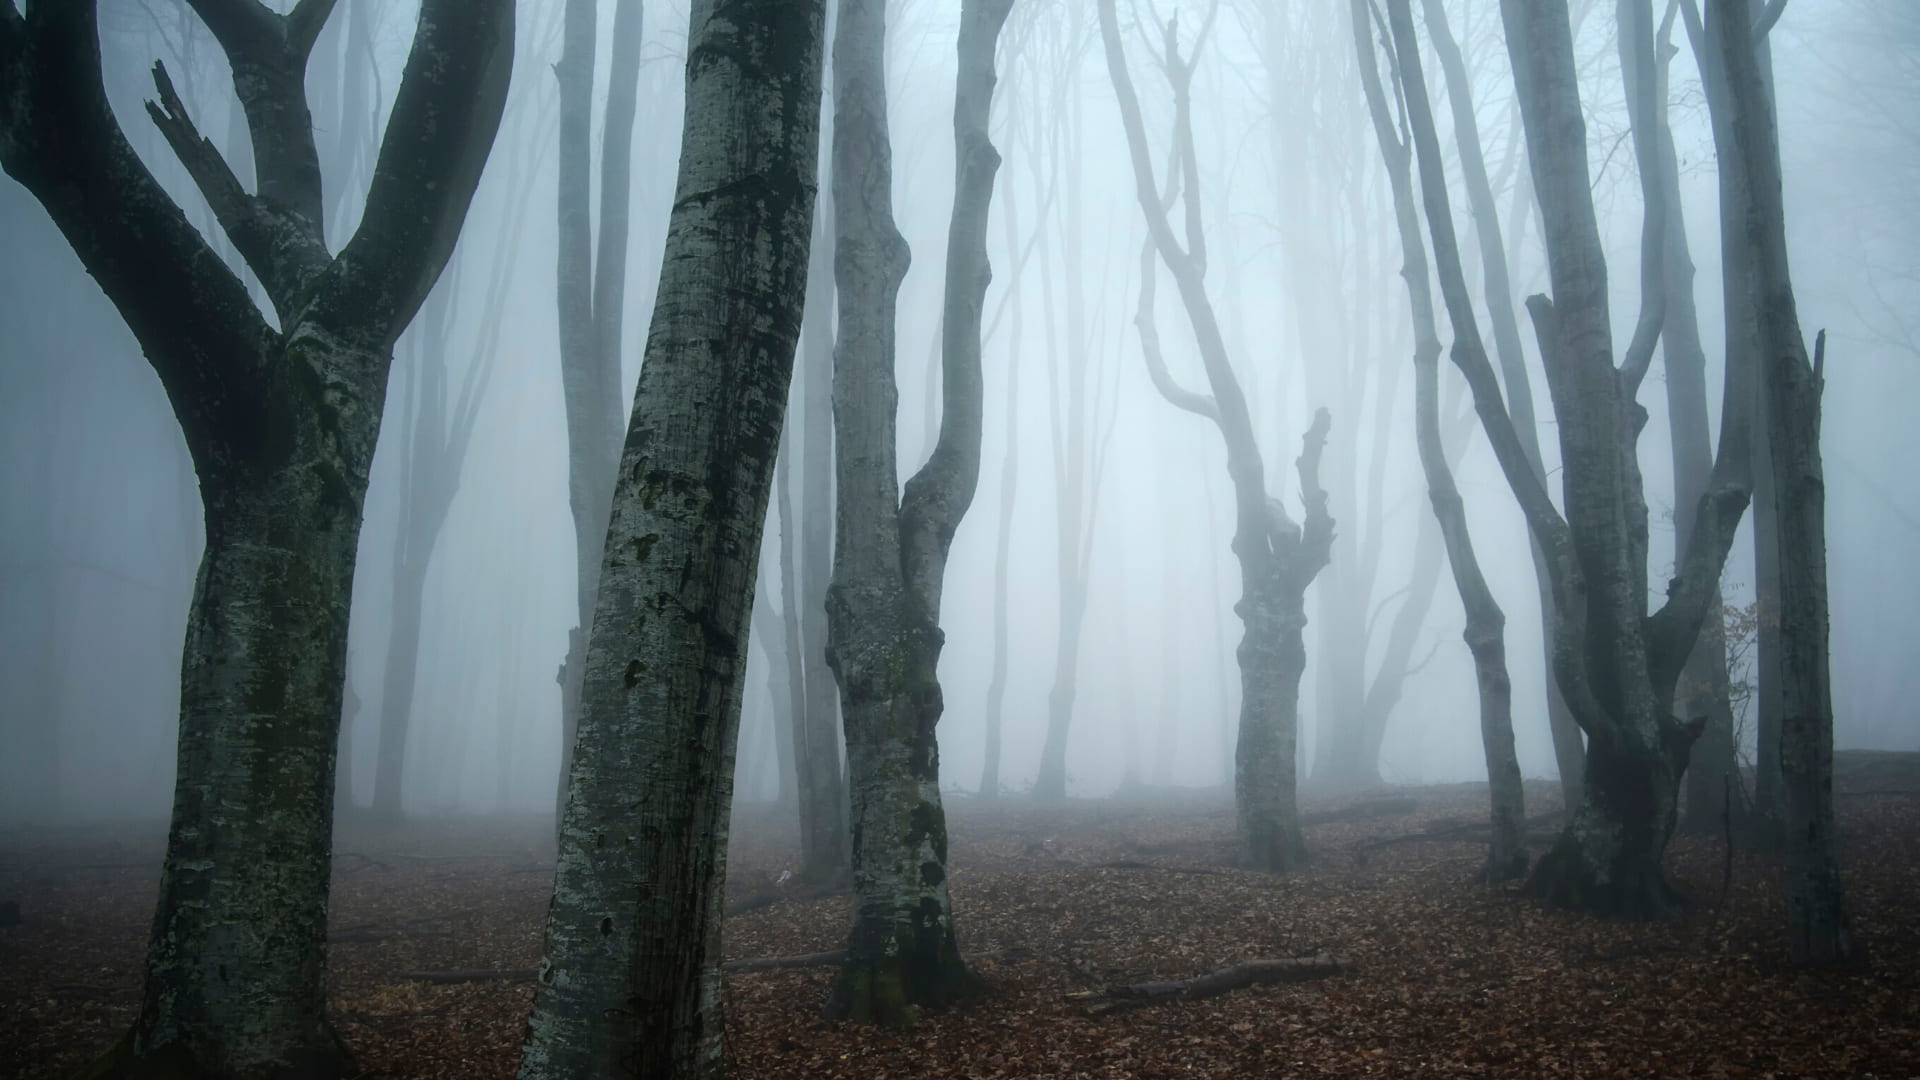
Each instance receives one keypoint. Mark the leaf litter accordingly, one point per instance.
(1057, 905)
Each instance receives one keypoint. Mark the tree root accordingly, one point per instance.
(1250, 973)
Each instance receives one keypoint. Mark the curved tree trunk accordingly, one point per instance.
(630, 982)
(1486, 623)
(883, 607)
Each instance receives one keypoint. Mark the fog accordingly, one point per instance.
(100, 520)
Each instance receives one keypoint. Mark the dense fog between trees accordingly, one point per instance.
(101, 521)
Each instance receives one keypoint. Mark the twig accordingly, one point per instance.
(1250, 973)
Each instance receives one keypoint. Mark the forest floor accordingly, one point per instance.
(1442, 975)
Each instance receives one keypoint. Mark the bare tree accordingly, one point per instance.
(630, 983)
(1278, 558)
(1486, 623)
(281, 422)
(1818, 931)
(883, 607)
(1569, 751)
(1617, 663)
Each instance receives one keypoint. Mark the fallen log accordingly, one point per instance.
(777, 894)
(1250, 973)
(777, 963)
(361, 934)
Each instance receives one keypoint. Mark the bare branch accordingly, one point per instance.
(1763, 22)
(304, 24)
(242, 217)
(1635, 35)
(429, 166)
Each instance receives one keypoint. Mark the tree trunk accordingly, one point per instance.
(883, 607)
(281, 425)
(591, 293)
(397, 684)
(1817, 925)
(1486, 623)
(1003, 538)
(789, 736)
(1569, 750)
(823, 815)
(1278, 558)
(630, 983)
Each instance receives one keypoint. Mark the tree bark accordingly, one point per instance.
(789, 737)
(1486, 623)
(883, 607)
(1278, 558)
(630, 981)
(1569, 751)
(822, 784)
(281, 425)
(1817, 925)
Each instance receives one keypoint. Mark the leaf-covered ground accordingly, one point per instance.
(1447, 976)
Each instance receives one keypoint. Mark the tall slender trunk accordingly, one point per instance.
(1817, 924)
(883, 606)
(1003, 537)
(1486, 623)
(1569, 750)
(630, 981)
(789, 737)
(590, 289)
(823, 786)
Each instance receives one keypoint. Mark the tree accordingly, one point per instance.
(1486, 623)
(591, 292)
(1278, 558)
(821, 785)
(883, 606)
(1617, 663)
(281, 421)
(1817, 926)
(630, 983)
(1568, 751)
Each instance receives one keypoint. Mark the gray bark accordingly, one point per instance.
(591, 293)
(1617, 664)
(1817, 925)
(1569, 751)
(630, 981)
(883, 607)
(281, 426)
(789, 737)
(1486, 623)
(1009, 487)
(822, 784)
(1278, 558)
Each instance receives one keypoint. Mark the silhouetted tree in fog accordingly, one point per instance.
(630, 983)
(592, 297)
(890, 554)
(1486, 624)
(1278, 558)
(281, 421)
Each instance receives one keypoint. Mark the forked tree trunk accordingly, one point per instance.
(281, 424)
(883, 607)
(630, 982)
(1486, 623)
(1278, 558)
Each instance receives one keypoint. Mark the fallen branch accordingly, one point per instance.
(471, 975)
(1138, 864)
(360, 934)
(777, 963)
(1251, 973)
(1362, 811)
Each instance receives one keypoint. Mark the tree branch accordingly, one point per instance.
(190, 313)
(304, 24)
(1635, 34)
(246, 222)
(430, 162)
